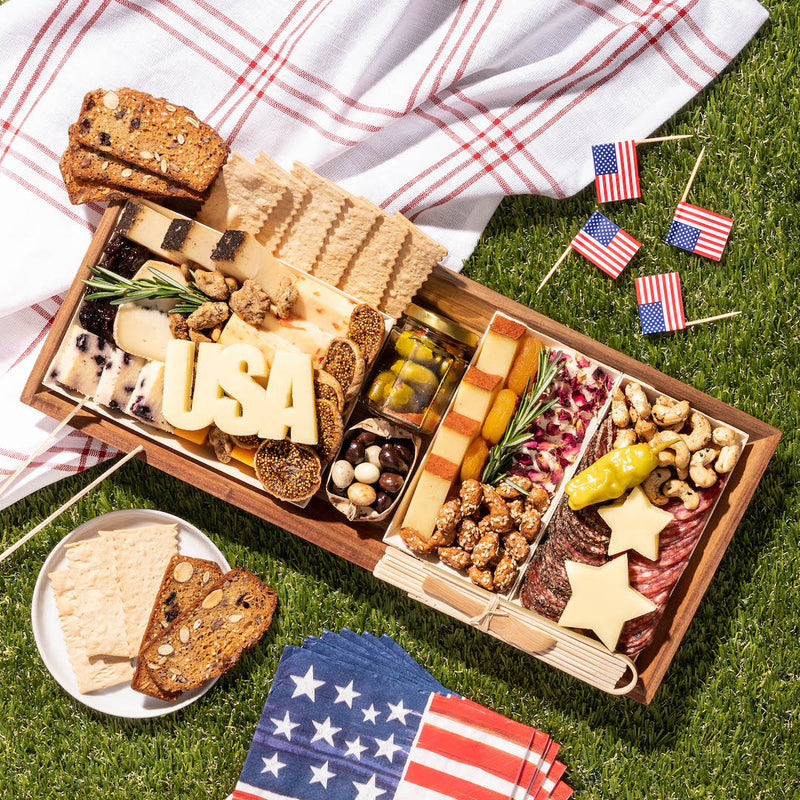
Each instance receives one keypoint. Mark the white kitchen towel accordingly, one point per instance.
(436, 108)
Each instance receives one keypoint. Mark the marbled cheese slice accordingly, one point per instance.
(80, 361)
(118, 380)
(146, 401)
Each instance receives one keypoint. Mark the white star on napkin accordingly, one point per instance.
(325, 731)
(305, 684)
(321, 775)
(285, 726)
(346, 694)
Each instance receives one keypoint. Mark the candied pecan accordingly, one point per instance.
(441, 538)
(251, 303)
(208, 316)
(504, 573)
(498, 510)
(414, 541)
(199, 337)
(508, 490)
(455, 557)
(471, 495)
(449, 516)
(222, 444)
(516, 508)
(468, 533)
(482, 577)
(537, 498)
(530, 523)
(178, 327)
(486, 549)
(516, 546)
(212, 283)
(485, 525)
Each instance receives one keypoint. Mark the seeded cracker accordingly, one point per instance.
(294, 196)
(153, 134)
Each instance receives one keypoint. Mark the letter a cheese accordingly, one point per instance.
(290, 403)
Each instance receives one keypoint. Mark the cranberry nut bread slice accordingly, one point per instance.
(209, 637)
(185, 581)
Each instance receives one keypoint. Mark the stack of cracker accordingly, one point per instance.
(317, 226)
(128, 143)
(104, 596)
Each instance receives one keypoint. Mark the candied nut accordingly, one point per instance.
(448, 517)
(212, 599)
(235, 617)
(509, 489)
(198, 337)
(529, 524)
(165, 649)
(468, 533)
(481, 577)
(504, 573)
(442, 538)
(251, 303)
(414, 541)
(500, 519)
(537, 498)
(516, 508)
(222, 443)
(183, 571)
(178, 327)
(212, 283)
(111, 100)
(455, 557)
(208, 315)
(183, 634)
(471, 496)
(486, 549)
(516, 546)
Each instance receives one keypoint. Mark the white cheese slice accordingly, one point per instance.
(289, 407)
(237, 331)
(118, 380)
(147, 399)
(430, 494)
(80, 361)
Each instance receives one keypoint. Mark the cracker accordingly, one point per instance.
(242, 196)
(153, 134)
(346, 240)
(80, 191)
(92, 166)
(416, 262)
(140, 556)
(306, 235)
(294, 195)
(90, 674)
(372, 266)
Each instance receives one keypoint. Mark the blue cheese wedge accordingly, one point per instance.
(148, 397)
(120, 374)
(80, 361)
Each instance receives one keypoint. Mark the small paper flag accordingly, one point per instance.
(660, 303)
(699, 231)
(616, 171)
(605, 244)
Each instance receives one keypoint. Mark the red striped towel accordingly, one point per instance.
(432, 107)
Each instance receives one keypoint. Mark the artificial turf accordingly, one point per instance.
(725, 721)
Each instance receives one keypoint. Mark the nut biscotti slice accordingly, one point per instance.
(209, 637)
(185, 581)
(152, 133)
(80, 191)
(90, 165)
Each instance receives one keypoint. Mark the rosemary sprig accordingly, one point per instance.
(116, 289)
(518, 429)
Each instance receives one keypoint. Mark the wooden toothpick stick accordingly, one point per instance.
(70, 502)
(712, 319)
(665, 138)
(691, 177)
(41, 447)
(554, 268)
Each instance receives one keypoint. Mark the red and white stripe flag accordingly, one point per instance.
(660, 303)
(699, 231)
(438, 114)
(616, 171)
(605, 244)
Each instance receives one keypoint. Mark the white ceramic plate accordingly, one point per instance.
(120, 700)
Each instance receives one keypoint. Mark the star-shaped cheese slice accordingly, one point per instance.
(602, 599)
(635, 524)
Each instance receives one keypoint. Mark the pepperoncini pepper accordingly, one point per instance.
(613, 474)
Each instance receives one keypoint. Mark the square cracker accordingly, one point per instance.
(242, 196)
(140, 557)
(90, 674)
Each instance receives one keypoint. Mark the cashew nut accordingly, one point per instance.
(635, 393)
(723, 436)
(624, 438)
(727, 458)
(698, 469)
(645, 429)
(677, 454)
(652, 486)
(668, 412)
(700, 435)
(681, 489)
(619, 408)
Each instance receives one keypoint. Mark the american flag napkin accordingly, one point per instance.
(435, 109)
(354, 717)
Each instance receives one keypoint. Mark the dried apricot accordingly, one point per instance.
(525, 365)
(474, 460)
(500, 413)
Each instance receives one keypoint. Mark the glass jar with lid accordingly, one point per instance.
(420, 365)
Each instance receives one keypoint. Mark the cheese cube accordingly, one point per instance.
(430, 494)
(454, 436)
(500, 345)
(476, 393)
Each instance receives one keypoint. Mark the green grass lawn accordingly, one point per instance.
(725, 721)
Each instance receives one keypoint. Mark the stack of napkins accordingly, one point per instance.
(354, 717)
